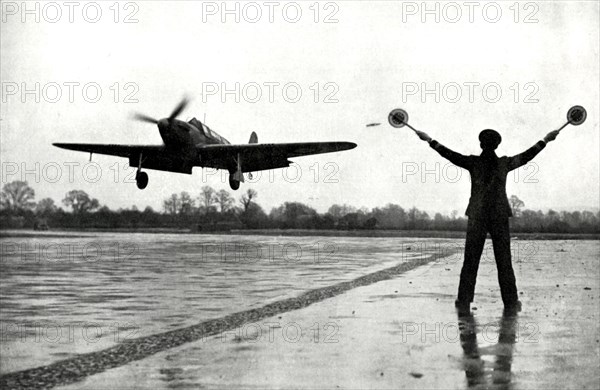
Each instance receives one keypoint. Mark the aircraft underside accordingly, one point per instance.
(179, 164)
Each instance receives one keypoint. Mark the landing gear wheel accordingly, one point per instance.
(141, 179)
(234, 184)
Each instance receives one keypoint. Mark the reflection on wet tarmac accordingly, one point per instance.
(59, 298)
(478, 373)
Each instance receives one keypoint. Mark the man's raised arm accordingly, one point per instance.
(455, 158)
(523, 158)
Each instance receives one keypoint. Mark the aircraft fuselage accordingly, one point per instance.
(178, 133)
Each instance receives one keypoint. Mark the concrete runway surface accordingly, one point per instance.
(388, 323)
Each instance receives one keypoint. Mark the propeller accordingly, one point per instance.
(145, 118)
(178, 110)
(180, 107)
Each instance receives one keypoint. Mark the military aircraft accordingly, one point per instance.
(192, 143)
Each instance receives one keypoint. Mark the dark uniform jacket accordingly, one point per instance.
(488, 178)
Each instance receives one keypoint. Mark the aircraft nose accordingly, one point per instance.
(163, 124)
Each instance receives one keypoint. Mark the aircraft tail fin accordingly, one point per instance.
(253, 138)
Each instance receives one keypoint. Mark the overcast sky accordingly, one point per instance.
(493, 71)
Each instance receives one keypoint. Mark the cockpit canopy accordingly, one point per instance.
(208, 132)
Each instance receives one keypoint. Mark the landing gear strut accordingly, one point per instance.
(141, 178)
(238, 176)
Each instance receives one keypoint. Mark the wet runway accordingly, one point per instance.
(223, 275)
(62, 296)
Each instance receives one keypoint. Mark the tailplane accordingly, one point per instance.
(253, 138)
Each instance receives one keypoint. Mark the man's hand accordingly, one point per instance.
(551, 136)
(423, 136)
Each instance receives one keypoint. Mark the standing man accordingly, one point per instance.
(488, 211)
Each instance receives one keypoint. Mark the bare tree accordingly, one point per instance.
(171, 205)
(186, 204)
(207, 198)
(246, 198)
(17, 196)
(515, 205)
(80, 202)
(224, 199)
(45, 207)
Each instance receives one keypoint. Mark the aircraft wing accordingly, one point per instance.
(254, 157)
(153, 156)
(115, 150)
(257, 157)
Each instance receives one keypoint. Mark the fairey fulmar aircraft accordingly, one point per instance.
(190, 144)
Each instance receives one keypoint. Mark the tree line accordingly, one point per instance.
(212, 210)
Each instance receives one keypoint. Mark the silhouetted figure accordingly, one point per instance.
(488, 210)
